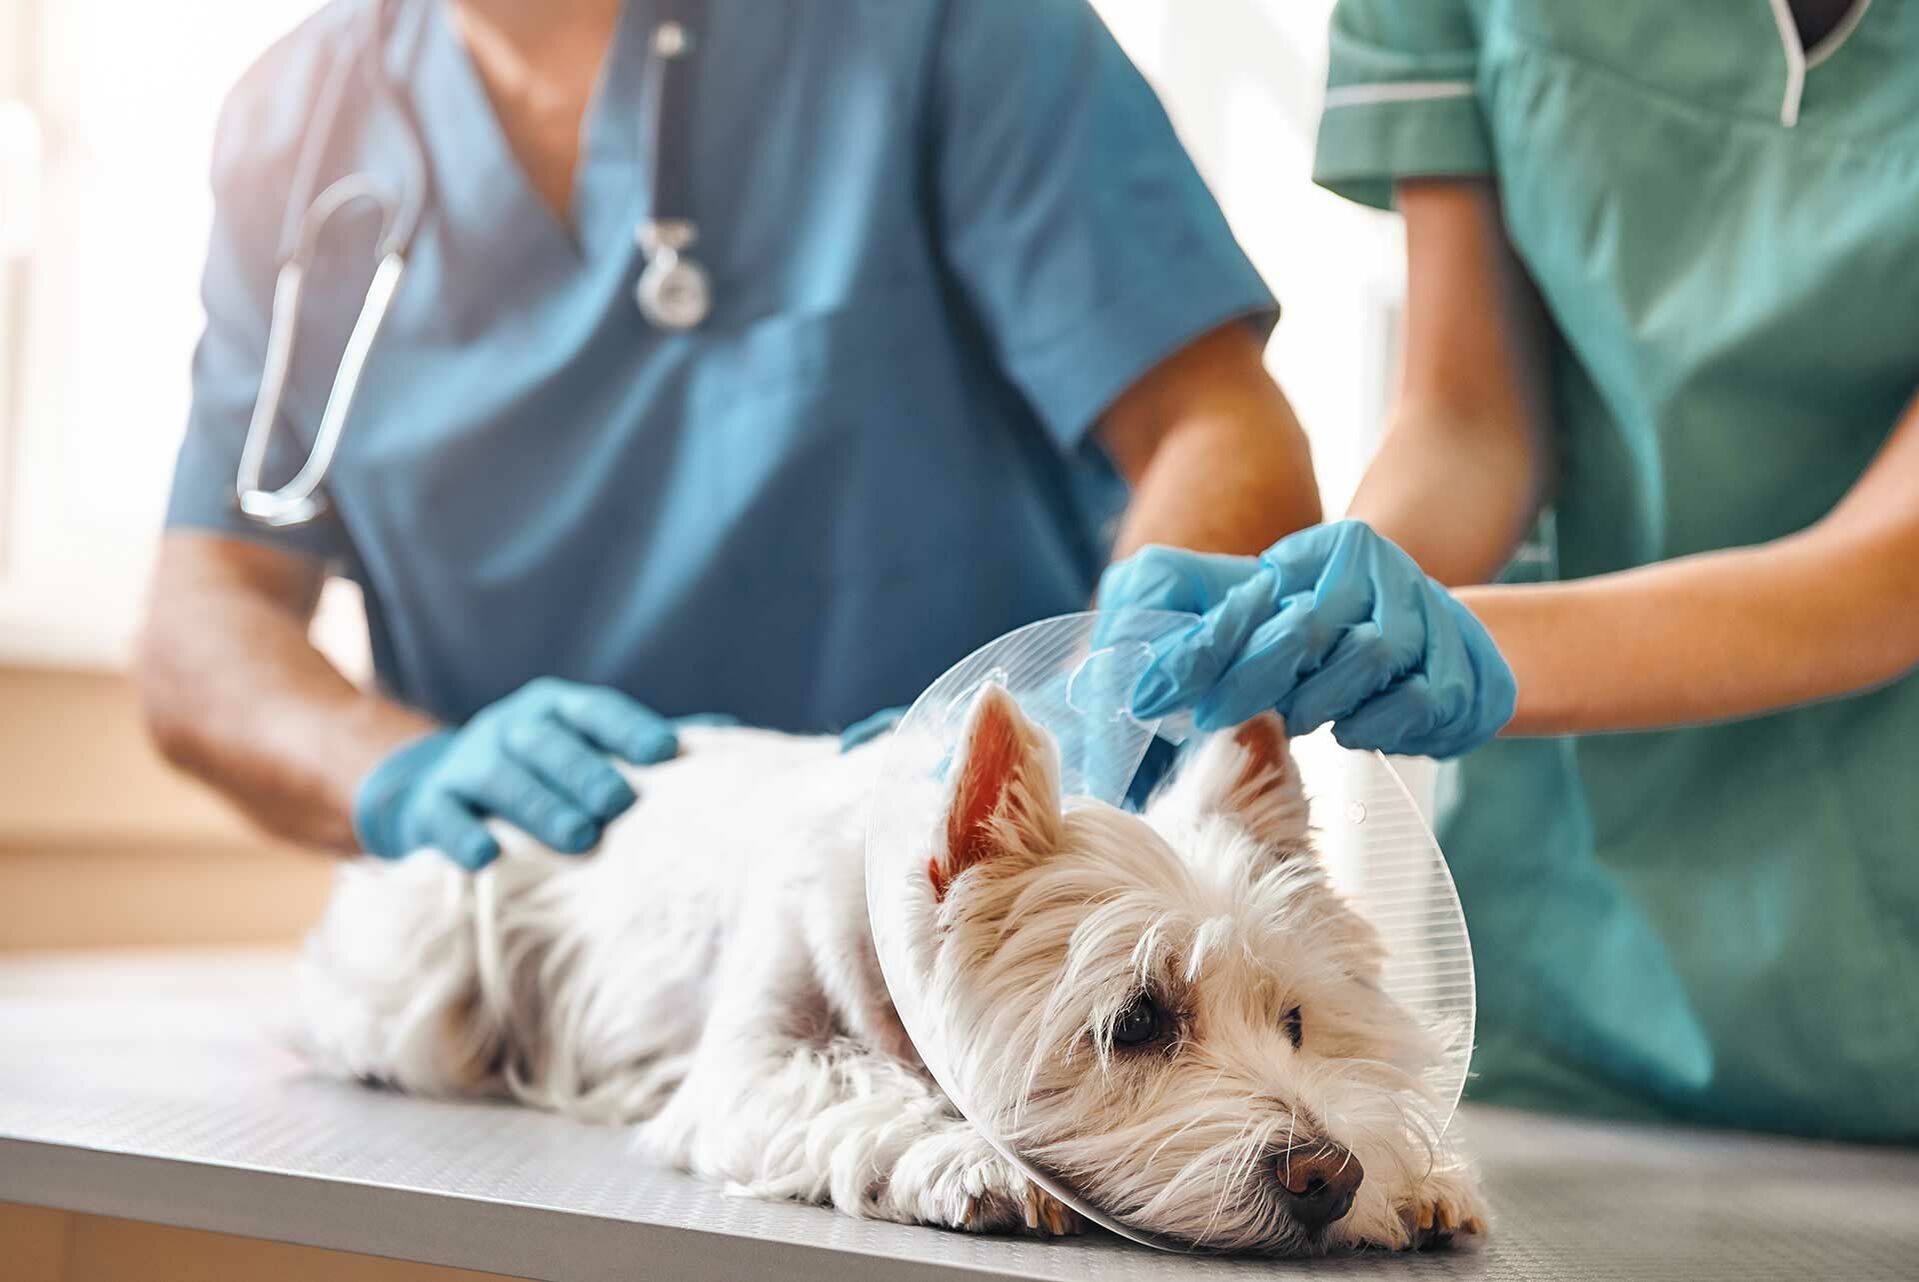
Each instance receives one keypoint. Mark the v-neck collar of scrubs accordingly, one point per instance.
(1801, 60)
(482, 194)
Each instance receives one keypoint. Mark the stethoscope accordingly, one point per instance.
(674, 291)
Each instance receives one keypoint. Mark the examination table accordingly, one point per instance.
(152, 1088)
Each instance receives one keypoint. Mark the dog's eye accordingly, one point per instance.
(1140, 1023)
(1292, 1025)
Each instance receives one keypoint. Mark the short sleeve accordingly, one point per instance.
(1070, 214)
(1402, 98)
(253, 155)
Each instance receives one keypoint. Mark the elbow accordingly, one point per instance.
(1902, 612)
(1890, 631)
(1867, 585)
(1881, 662)
(173, 738)
(1276, 460)
(167, 700)
(1904, 658)
(1860, 645)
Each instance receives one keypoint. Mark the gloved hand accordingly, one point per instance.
(1334, 623)
(537, 759)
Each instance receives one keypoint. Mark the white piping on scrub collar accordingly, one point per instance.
(1800, 60)
(1829, 43)
(1396, 91)
(1795, 62)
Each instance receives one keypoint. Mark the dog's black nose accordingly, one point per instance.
(1319, 1180)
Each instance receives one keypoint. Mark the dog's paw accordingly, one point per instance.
(958, 1181)
(1029, 1209)
(1444, 1210)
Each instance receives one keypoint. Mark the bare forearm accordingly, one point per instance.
(1216, 457)
(1708, 638)
(236, 695)
(1829, 611)
(1466, 463)
(1447, 493)
(1234, 486)
(265, 719)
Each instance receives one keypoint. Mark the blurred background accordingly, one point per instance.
(104, 207)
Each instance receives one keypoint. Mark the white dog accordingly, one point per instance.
(1172, 1012)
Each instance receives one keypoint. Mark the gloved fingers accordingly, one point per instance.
(1335, 562)
(1188, 668)
(1163, 578)
(617, 723)
(705, 719)
(455, 831)
(1448, 666)
(1400, 599)
(1281, 653)
(1332, 567)
(1495, 689)
(380, 801)
(566, 764)
(511, 791)
(1360, 665)
(1399, 720)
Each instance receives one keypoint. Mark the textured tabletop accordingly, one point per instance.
(153, 1089)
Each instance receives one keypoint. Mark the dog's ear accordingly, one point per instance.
(1248, 774)
(1004, 798)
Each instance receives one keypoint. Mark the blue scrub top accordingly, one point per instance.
(943, 237)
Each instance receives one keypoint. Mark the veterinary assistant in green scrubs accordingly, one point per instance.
(1663, 290)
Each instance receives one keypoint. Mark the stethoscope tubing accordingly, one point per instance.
(298, 501)
(673, 291)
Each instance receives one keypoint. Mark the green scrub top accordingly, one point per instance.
(1718, 924)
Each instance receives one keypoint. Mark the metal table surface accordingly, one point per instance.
(153, 1088)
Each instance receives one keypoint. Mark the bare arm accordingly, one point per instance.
(1465, 465)
(235, 693)
(1216, 458)
(1829, 611)
(1464, 469)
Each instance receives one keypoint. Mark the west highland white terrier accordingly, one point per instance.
(1173, 1013)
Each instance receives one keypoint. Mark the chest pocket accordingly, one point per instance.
(796, 353)
(853, 444)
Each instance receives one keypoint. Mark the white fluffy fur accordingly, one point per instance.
(708, 975)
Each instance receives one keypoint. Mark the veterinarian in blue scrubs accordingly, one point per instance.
(965, 287)
(1663, 275)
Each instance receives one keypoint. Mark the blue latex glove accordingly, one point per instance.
(537, 759)
(1334, 623)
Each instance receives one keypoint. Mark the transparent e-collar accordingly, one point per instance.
(1075, 675)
